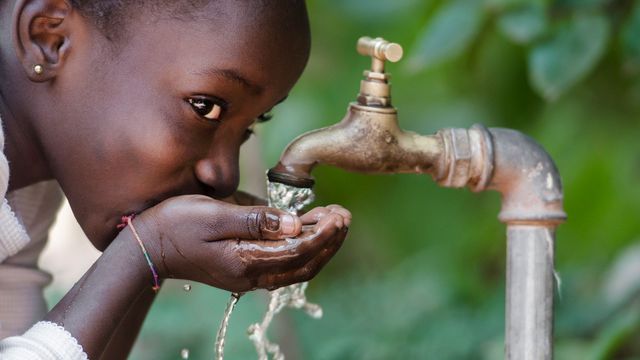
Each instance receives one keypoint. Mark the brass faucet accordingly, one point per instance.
(368, 139)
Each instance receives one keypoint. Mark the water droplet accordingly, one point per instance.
(184, 353)
(187, 287)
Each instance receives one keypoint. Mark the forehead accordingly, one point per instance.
(263, 42)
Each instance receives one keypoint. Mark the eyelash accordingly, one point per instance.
(260, 119)
(264, 117)
(207, 108)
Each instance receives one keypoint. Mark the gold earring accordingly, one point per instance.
(38, 69)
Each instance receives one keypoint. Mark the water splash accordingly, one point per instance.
(292, 296)
(222, 331)
(290, 199)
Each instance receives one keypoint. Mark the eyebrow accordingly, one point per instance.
(233, 75)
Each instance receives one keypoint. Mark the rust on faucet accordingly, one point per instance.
(367, 140)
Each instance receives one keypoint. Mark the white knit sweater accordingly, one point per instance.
(13, 236)
(44, 340)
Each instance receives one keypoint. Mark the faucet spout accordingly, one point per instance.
(368, 140)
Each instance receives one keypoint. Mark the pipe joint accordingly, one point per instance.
(506, 161)
(467, 158)
(528, 179)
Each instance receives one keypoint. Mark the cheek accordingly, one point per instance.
(155, 147)
(132, 160)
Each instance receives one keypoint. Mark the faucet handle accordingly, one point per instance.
(374, 88)
(380, 51)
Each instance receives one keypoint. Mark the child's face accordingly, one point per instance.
(167, 113)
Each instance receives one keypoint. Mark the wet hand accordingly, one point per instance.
(240, 248)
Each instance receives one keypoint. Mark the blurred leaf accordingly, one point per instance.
(581, 4)
(617, 335)
(568, 55)
(501, 5)
(571, 349)
(377, 10)
(630, 38)
(523, 24)
(450, 31)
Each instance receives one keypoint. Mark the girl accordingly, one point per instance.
(140, 107)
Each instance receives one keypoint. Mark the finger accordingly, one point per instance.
(313, 215)
(329, 220)
(279, 256)
(346, 214)
(322, 236)
(226, 221)
(268, 223)
(303, 273)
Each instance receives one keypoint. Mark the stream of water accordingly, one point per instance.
(292, 200)
(222, 331)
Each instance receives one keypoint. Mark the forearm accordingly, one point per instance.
(122, 341)
(95, 306)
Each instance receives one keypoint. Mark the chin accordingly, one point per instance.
(101, 234)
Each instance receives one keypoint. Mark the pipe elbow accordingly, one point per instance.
(506, 161)
(527, 178)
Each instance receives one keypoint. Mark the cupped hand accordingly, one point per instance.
(239, 248)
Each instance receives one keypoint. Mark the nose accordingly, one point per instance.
(219, 172)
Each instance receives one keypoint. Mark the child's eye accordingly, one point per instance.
(207, 108)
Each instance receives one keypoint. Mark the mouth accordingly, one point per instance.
(119, 222)
(133, 212)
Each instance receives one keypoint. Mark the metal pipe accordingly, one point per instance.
(529, 306)
(532, 209)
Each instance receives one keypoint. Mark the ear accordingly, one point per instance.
(41, 36)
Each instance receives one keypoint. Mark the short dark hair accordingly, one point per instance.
(110, 16)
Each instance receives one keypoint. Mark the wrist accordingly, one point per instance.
(127, 260)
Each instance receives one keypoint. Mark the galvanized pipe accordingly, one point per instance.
(532, 208)
(525, 175)
(529, 310)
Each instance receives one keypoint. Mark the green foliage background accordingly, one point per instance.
(422, 272)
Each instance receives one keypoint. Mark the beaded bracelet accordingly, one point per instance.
(128, 220)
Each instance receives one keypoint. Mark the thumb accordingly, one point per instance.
(257, 222)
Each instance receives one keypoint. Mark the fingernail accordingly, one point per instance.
(272, 222)
(288, 224)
